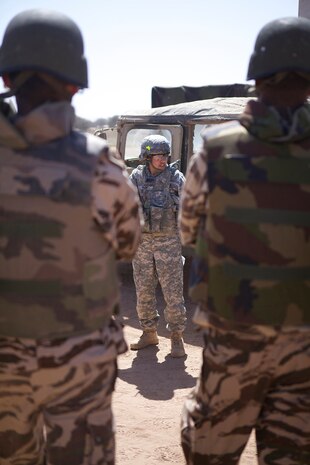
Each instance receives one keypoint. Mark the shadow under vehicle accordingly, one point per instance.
(181, 124)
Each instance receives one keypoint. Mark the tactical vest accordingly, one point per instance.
(57, 273)
(158, 199)
(253, 252)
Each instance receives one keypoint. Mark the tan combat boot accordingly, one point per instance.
(147, 338)
(177, 344)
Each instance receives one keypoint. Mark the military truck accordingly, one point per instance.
(181, 124)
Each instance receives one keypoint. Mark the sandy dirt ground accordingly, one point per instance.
(151, 389)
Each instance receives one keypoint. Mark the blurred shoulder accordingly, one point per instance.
(137, 171)
(100, 149)
(178, 177)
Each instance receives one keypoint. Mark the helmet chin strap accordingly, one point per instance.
(67, 90)
(7, 94)
(15, 84)
(6, 109)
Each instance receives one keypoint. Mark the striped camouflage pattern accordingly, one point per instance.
(256, 378)
(60, 231)
(159, 259)
(245, 207)
(159, 196)
(65, 383)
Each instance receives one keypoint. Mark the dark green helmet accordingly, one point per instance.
(43, 40)
(281, 45)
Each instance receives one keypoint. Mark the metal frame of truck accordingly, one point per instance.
(181, 120)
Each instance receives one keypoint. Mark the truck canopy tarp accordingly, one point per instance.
(162, 96)
(210, 110)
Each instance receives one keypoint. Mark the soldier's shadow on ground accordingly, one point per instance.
(128, 305)
(154, 379)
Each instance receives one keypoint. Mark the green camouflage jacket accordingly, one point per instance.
(67, 211)
(245, 208)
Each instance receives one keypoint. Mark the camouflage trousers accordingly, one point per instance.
(55, 399)
(250, 380)
(159, 259)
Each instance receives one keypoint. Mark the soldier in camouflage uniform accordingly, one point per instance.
(159, 256)
(61, 230)
(245, 208)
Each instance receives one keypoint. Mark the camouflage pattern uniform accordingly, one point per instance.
(245, 209)
(61, 230)
(159, 256)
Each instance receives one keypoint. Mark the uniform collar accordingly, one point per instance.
(47, 122)
(266, 123)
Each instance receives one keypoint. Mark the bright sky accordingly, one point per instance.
(133, 45)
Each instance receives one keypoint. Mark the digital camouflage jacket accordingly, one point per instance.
(160, 197)
(245, 208)
(61, 227)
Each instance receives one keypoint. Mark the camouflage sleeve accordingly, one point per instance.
(176, 186)
(116, 206)
(181, 181)
(133, 178)
(193, 207)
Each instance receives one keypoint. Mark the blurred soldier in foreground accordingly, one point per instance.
(245, 207)
(159, 256)
(61, 233)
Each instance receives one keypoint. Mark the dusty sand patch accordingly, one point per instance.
(151, 388)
